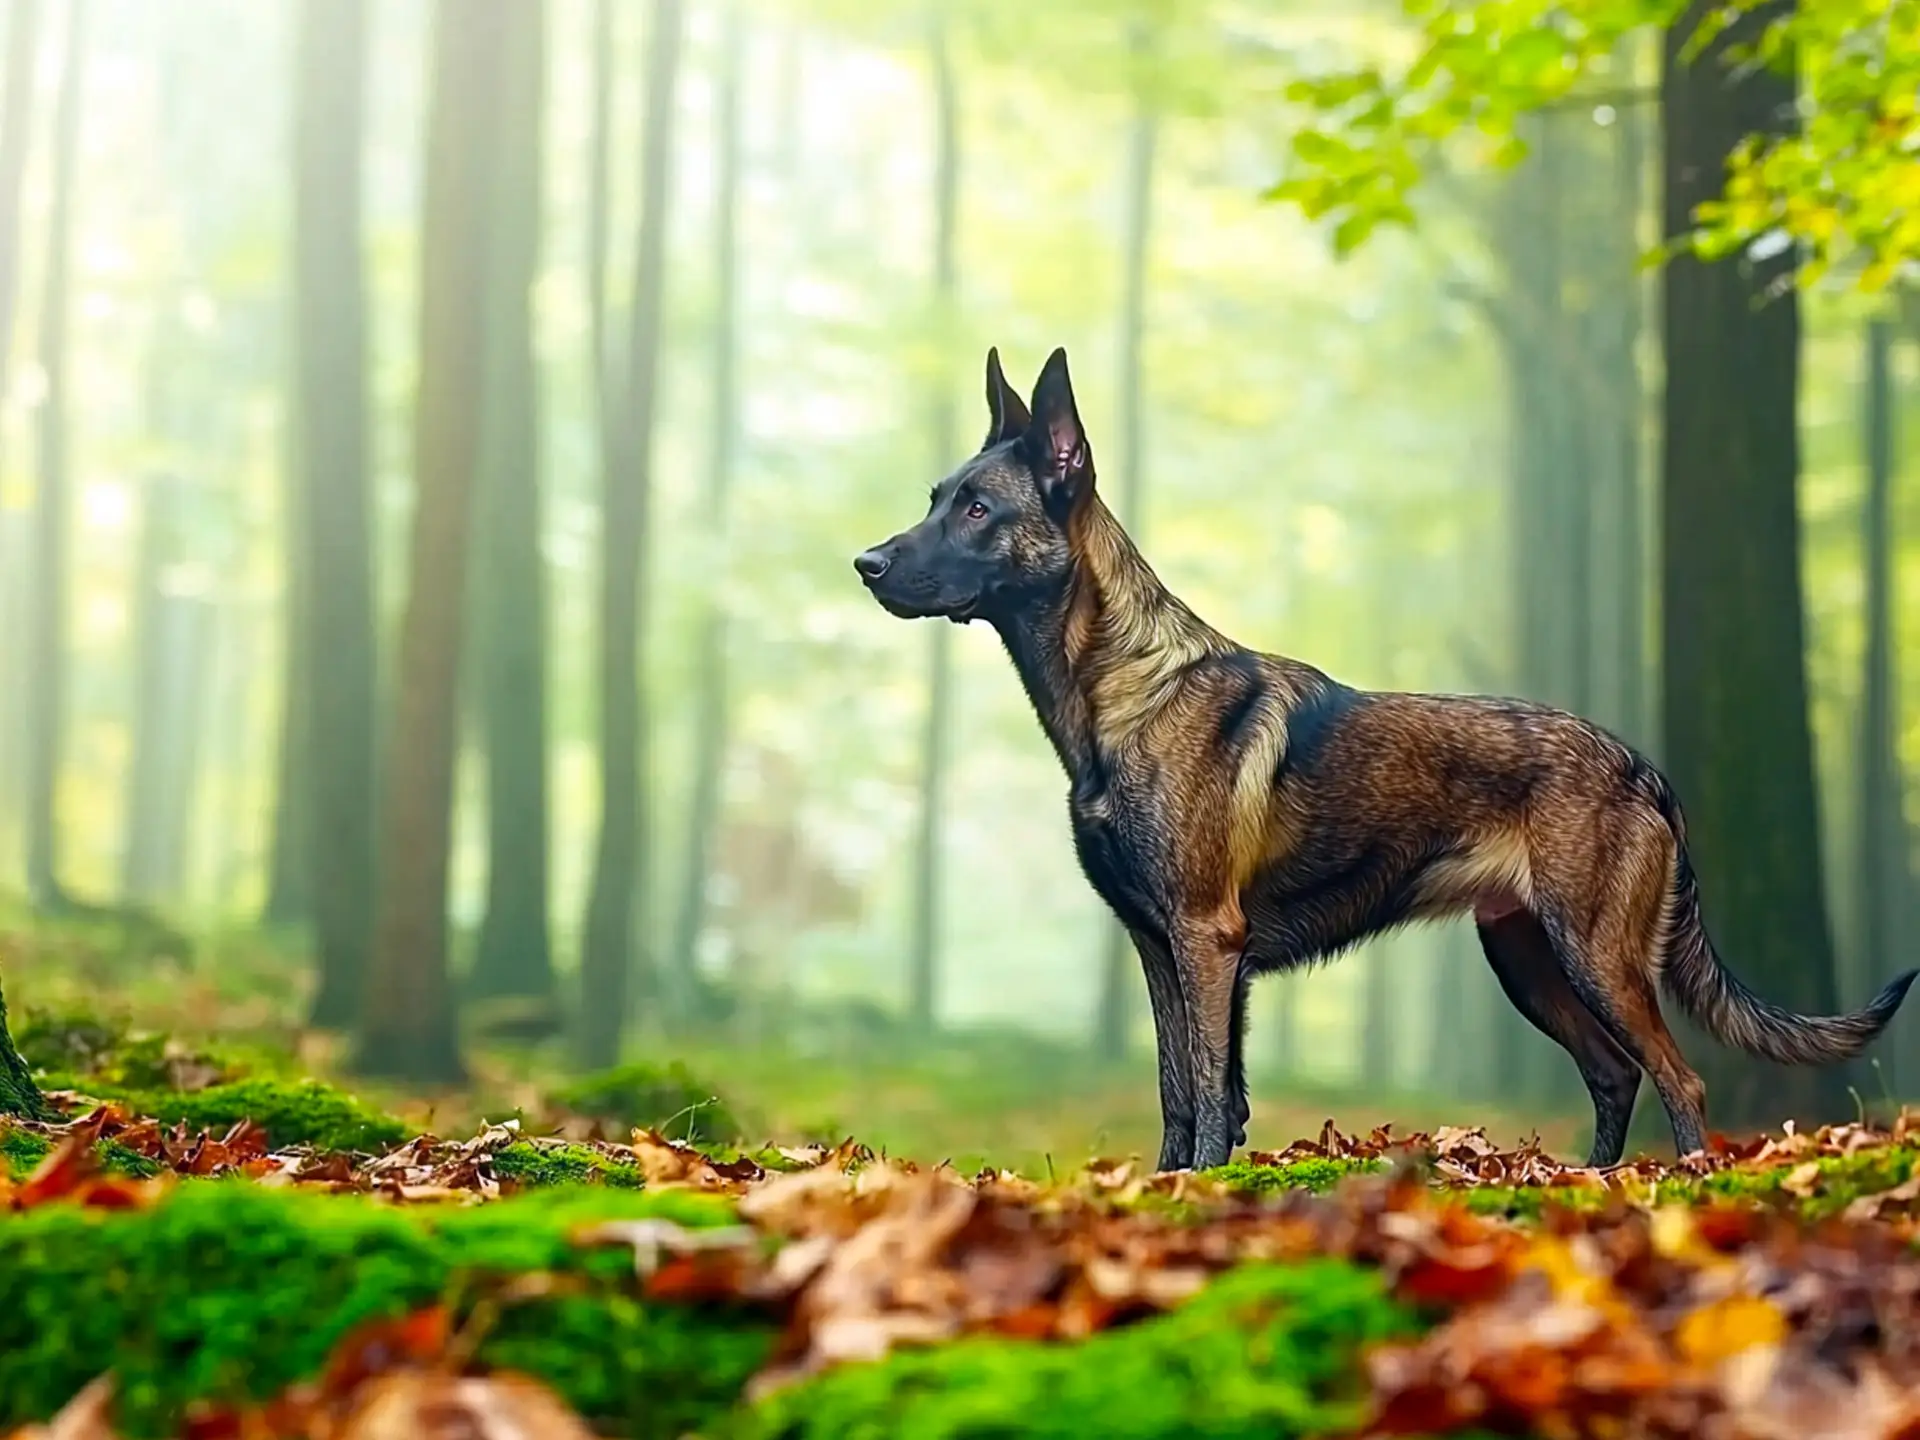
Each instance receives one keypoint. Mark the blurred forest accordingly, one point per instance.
(433, 438)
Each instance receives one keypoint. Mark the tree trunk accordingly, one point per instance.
(18, 1094)
(171, 651)
(620, 885)
(710, 699)
(1884, 879)
(599, 144)
(408, 1025)
(290, 862)
(1737, 740)
(514, 960)
(16, 134)
(1119, 966)
(46, 698)
(923, 976)
(331, 483)
(1621, 582)
(16, 123)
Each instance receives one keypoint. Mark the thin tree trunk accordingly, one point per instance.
(16, 124)
(514, 959)
(1119, 966)
(710, 699)
(1627, 595)
(16, 134)
(599, 146)
(923, 977)
(1737, 739)
(290, 862)
(408, 1025)
(619, 889)
(47, 697)
(167, 674)
(1881, 865)
(331, 483)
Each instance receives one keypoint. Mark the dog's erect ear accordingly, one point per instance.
(1006, 411)
(1055, 437)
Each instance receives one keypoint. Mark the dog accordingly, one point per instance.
(1242, 812)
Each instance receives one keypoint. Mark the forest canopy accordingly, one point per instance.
(1844, 184)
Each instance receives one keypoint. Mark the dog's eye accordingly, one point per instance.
(976, 511)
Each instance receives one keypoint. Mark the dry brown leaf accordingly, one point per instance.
(430, 1406)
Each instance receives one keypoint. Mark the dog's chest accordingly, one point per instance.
(1112, 849)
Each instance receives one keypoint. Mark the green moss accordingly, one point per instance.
(1317, 1175)
(665, 1098)
(22, 1150)
(1840, 1180)
(231, 1292)
(1267, 1351)
(291, 1112)
(531, 1163)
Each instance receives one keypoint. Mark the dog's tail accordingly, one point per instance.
(1722, 1004)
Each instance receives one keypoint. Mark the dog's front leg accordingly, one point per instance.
(1172, 1051)
(1206, 951)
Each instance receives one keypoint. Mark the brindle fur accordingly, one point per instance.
(1244, 812)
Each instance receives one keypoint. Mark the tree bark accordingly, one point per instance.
(408, 1024)
(18, 1094)
(1883, 876)
(711, 698)
(923, 975)
(1119, 965)
(514, 959)
(46, 702)
(1737, 740)
(332, 522)
(620, 886)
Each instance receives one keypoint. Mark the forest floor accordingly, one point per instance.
(210, 1243)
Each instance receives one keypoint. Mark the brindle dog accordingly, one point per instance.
(1244, 812)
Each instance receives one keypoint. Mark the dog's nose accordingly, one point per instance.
(871, 564)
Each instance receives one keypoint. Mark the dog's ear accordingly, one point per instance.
(1056, 441)
(1007, 414)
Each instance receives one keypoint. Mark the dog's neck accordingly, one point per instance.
(1103, 651)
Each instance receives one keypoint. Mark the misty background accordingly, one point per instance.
(359, 366)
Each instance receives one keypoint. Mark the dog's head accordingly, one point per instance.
(996, 531)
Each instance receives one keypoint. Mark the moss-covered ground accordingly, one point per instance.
(250, 1213)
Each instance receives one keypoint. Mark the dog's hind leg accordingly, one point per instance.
(1609, 944)
(1172, 1050)
(1523, 961)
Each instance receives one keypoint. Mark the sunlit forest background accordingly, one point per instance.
(430, 462)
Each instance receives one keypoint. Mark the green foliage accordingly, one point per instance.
(666, 1098)
(230, 1292)
(1317, 1175)
(1266, 1351)
(1846, 184)
(536, 1164)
